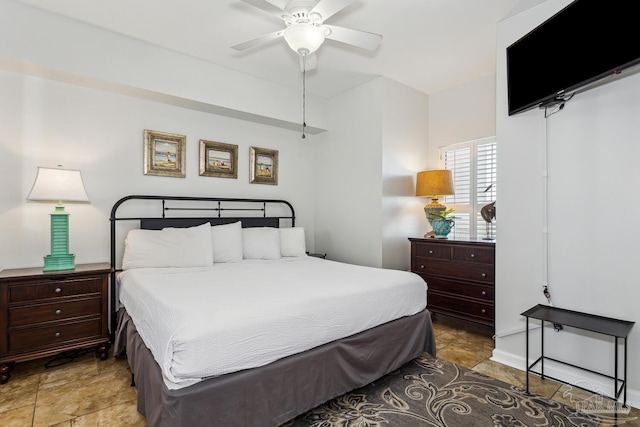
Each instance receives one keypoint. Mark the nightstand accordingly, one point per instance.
(43, 314)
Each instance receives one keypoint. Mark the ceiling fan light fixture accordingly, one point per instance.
(304, 37)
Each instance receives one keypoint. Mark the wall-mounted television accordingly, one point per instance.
(585, 42)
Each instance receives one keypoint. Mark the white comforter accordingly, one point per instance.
(202, 322)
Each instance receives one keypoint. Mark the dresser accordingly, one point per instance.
(42, 314)
(460, 276)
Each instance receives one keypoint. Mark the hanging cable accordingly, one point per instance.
(304, 93)
(545, 226)
(545, 207)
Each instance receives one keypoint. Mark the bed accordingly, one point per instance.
(214, 337)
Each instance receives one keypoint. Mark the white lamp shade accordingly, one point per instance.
(53, 184)
(304, 37)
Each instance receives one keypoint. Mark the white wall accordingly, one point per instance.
(593, 252)
(460, 114)
(405, 127)
(348, 176)
(366, 166)
(46, 123)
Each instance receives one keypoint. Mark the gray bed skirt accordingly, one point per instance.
(275, 393)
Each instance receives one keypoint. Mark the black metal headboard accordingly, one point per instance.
(183, 211)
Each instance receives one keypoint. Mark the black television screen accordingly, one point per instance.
(583, 43)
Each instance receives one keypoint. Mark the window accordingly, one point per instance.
(474, 176)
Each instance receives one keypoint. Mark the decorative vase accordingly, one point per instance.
(442, 227)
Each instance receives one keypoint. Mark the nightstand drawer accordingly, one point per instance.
(483, 293)
(432, 251)
(437, 301)
(54, 289)
(474, 254)
(40, 313)
(31, 338)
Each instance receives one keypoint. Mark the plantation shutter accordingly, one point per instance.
(458, 159)
(473, 164)
(486, 188)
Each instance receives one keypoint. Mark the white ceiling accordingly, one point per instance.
(429, 45)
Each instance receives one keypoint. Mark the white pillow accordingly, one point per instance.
(292, 242)
(261, 243)
(227, 242)
(169, 247)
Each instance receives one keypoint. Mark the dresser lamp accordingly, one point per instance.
(433, 184)
(56, 184)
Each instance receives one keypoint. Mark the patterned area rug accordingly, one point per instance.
(433, 392)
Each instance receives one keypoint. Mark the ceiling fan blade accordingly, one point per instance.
(369, 41)
(328, 8)
(258, 41)
(268, 7)
(312, 62)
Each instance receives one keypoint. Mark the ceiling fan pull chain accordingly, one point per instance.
(304, 94)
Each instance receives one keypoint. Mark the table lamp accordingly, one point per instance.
(433, 184)
(56, 184)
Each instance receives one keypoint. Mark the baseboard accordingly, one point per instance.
(569, 375)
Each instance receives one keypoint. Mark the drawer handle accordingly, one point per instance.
(58, 311)
(58, 290)
(430, 251)
(484, 274)
(421, 266)
(473, 255)
(58, 334)
(483, 311)
(484, 292)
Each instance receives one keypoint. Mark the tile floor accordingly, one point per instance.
(90, 392)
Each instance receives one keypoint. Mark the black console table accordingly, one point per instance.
(589, 322)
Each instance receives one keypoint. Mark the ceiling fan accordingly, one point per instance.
(306, 29)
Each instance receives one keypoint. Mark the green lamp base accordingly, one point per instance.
(59, 262)
(60, 259)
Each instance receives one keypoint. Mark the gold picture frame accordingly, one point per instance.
(218, 159)
(263, 166)
(164, 154)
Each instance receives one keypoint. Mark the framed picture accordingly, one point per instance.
(263, 166)
(164, 154)
(218, 159)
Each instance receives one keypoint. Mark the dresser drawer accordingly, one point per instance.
(53, 289)
(432, 251)
(441, 302)
(51, 336)
(40, 313)
(473, 254)
(483, 293)
(484, 273)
